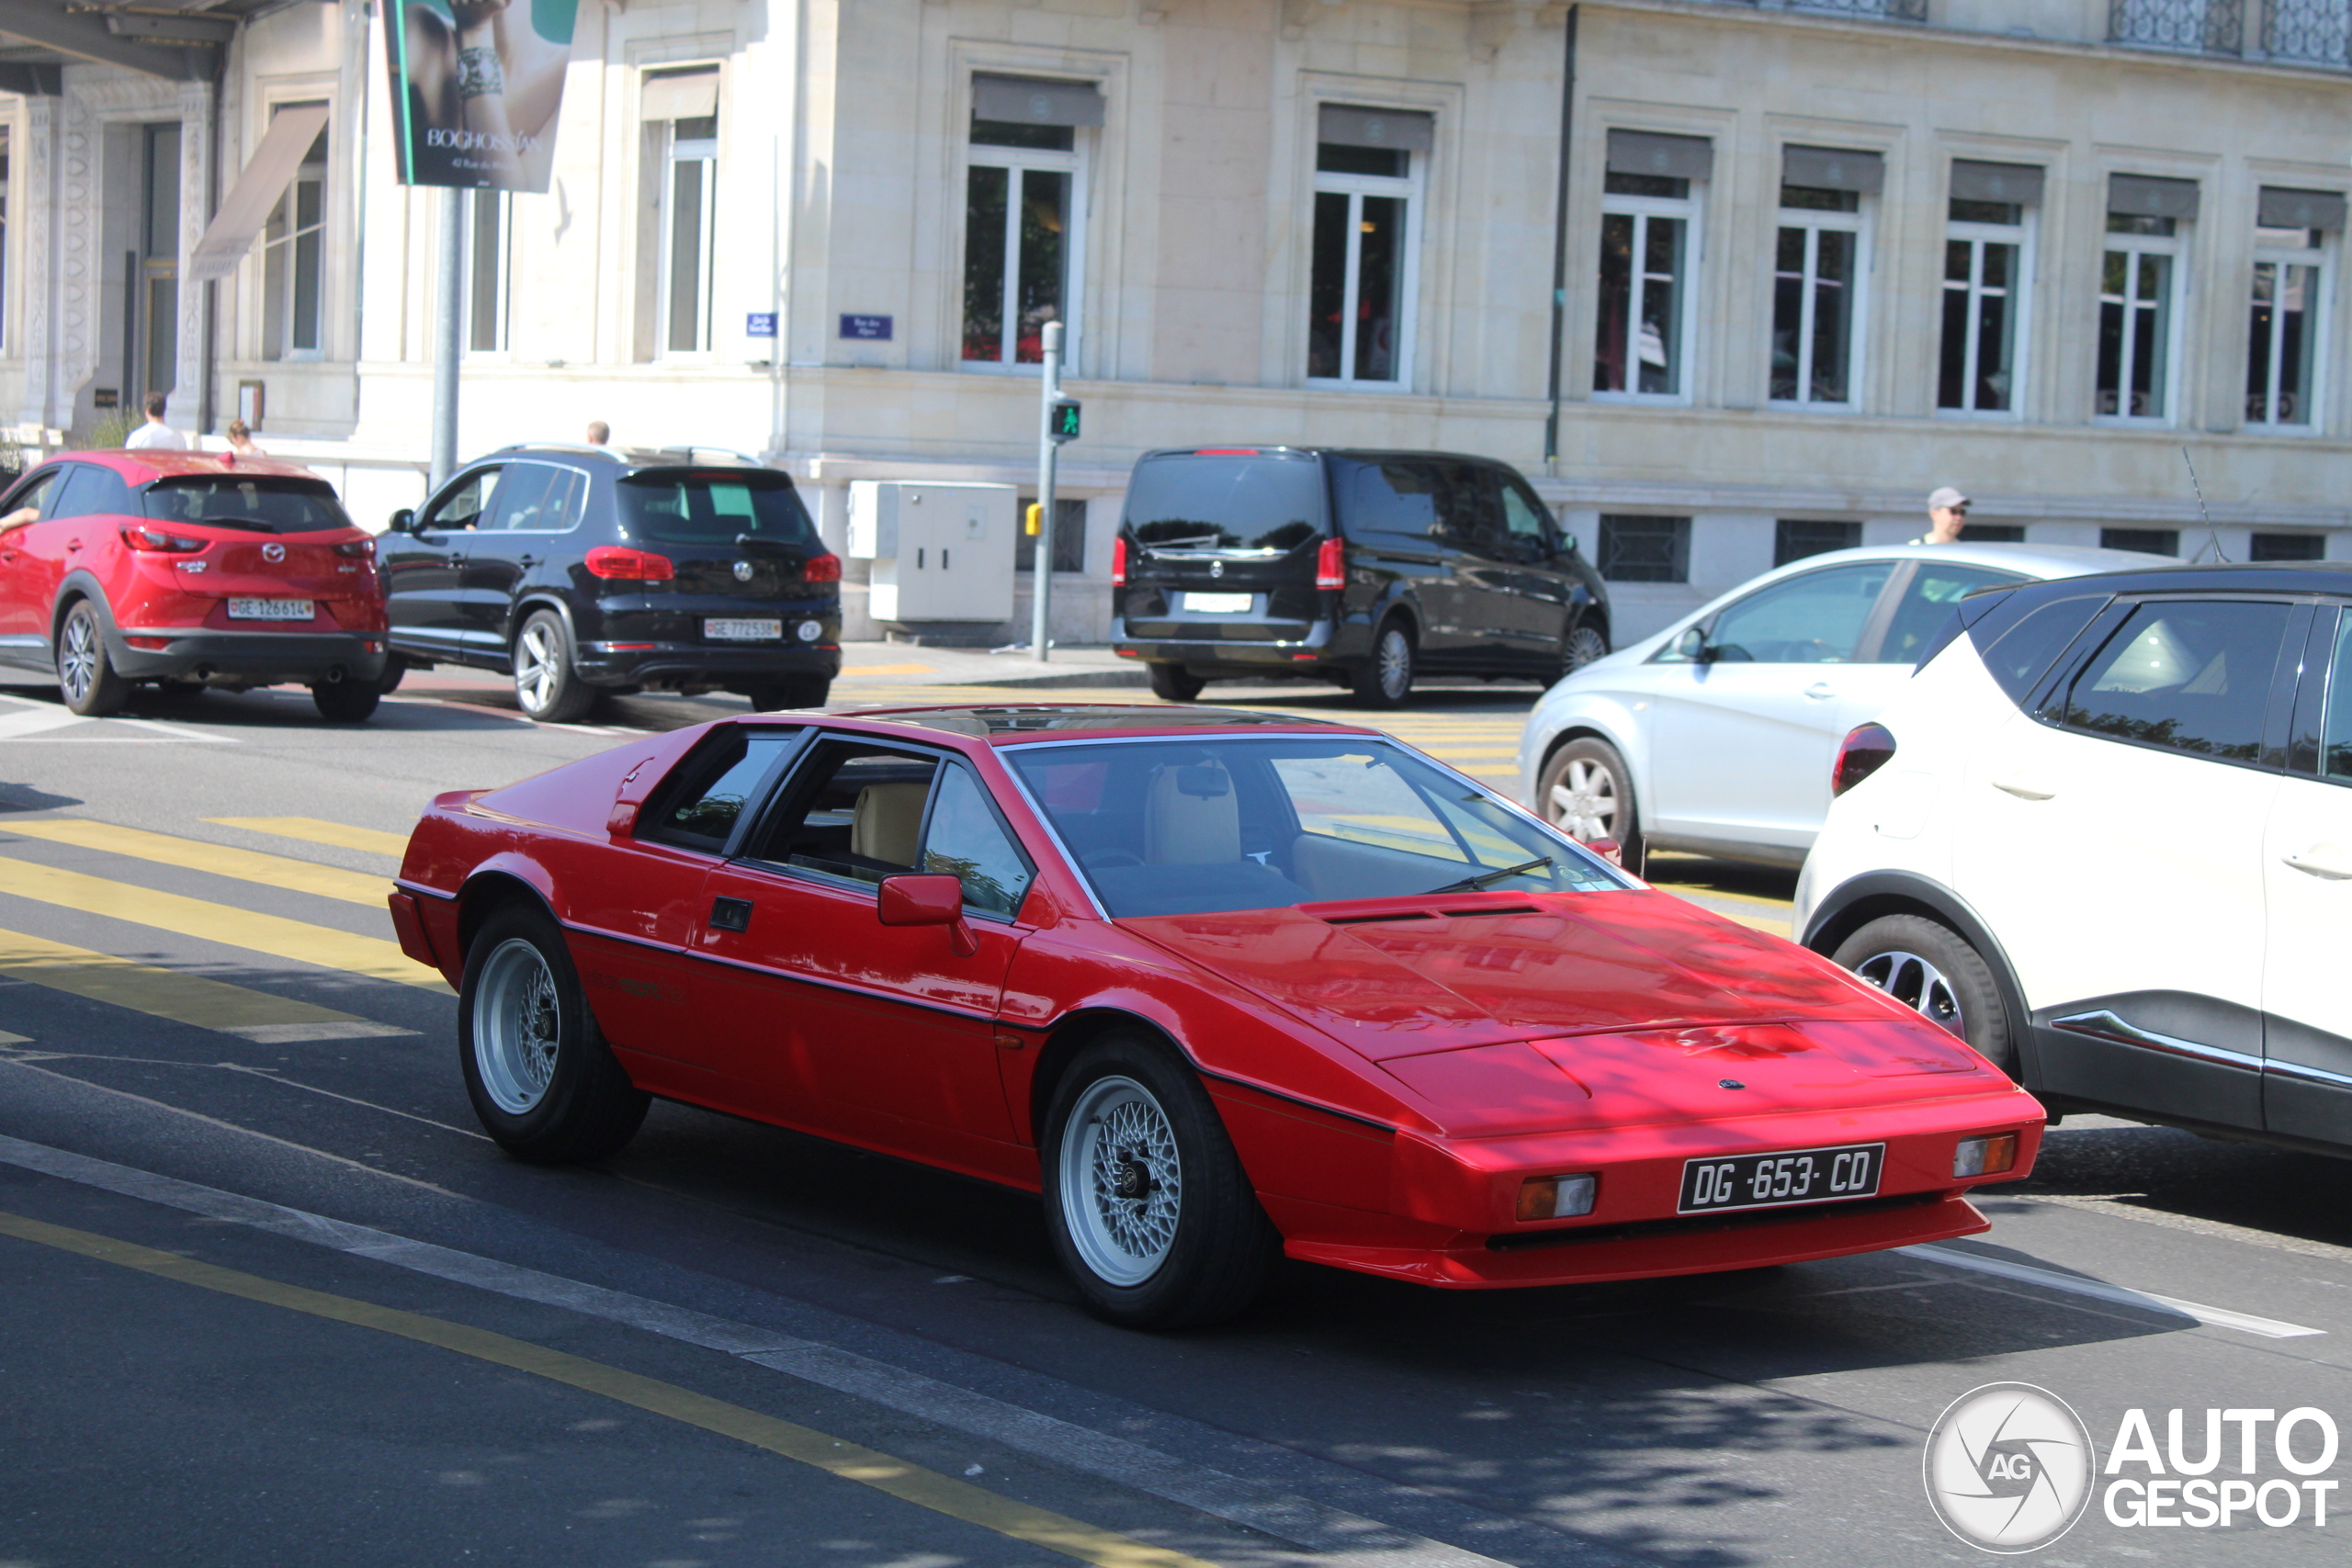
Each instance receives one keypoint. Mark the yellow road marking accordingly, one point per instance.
(246, 865)
(312, 830)
(1777, 928)
(857, 672)
(183, 999)
(1450, 752)
(1696, 890)
(867, 1467)
(330, 949)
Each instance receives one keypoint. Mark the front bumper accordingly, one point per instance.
(246, 658)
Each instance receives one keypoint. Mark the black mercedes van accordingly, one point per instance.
(1364, 567)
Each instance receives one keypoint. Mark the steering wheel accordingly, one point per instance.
(1105, 859)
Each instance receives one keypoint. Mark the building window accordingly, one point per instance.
(1070, 536)
(1817, 269)
(687, 222)
(294, 252)
(1023, 191)
(1645, 550)
(2287, 546)
(2139, 282)
(1987, 253)
(2154, 541)
(1360, 288)
(1649, 223)
(2283, 336)
(6, 340)
(1793, 539)
(488, 239)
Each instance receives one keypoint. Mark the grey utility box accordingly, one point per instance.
(941, 552)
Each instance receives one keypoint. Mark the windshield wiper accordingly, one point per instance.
(1472, 883)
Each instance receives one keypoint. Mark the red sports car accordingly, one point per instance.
(188, 569)
(1221, 984)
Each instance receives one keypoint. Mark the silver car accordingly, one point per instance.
(1716, 735)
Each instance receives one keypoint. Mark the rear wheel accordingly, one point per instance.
(395, 668)
(86, 676)
(1386, 680)
(1173, 683)
(347, 702)
(1584, 644)
(1925, 964)
(547, 682)
(1587, 793)
(791, 692)
(541, 1078)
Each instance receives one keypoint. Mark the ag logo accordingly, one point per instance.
(742, 572)
(2009, 1468)
(273, 552)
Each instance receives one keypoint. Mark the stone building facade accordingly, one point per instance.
(1816, 260)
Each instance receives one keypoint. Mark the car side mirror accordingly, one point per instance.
(1693, 645)
(403, 521)
(927, 898)
(1568, 544)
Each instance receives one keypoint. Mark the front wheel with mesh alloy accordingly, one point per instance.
(1150, 1212)
(547, 682)
(1584, 644)
(1927, 966)
(1172, 682)
(86, 676)
(542, 1080)
(1386, 680)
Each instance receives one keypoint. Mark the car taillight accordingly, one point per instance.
(154, 540)
(619, 561)
(1331, 565)
(823, 569)
(1866, 748)
(356, 548)
(1119, 563)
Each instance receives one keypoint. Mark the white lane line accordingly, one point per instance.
(1349, 1540)
(177, 731)
(2219, 1317)
(33, 720)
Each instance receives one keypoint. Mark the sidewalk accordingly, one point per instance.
(904, 664)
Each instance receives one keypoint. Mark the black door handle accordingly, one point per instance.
(730, 914)
(526, 560)
(457, 560)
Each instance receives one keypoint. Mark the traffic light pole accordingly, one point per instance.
(1048, 456)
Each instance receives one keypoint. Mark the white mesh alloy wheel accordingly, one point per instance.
(518, 1026)
(1122, 1184)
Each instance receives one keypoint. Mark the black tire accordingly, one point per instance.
(86, 676)
(1587, 641)
(556, 1104)
(1173, 683)
(347, 702)
(1925, 964)
(1587, 792)
(1386, 680)
(395, 670)
(1211, 1255)
(791, 692)
(547, 677)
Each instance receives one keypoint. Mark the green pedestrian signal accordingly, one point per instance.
(1062, 423)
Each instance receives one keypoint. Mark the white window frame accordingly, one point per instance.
(1977, 236)
(2321, 258)
(1409, 188)
(1815, 223)
(2174, 245)
(1018, 161)
(502, 264)
(677, 150)
(1688, 209)
(290, 202)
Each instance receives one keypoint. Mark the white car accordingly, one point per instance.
(2106, 837)
(1715, 735)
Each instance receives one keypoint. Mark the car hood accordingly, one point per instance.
(1407, 977)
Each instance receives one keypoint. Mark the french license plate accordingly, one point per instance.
(270, 610)
(743, 631)
(1218, 603)
(1800, 1175)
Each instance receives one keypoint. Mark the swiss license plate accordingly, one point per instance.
(1800, 1175)
(743, 631)
(270, 610)
(1218, 603)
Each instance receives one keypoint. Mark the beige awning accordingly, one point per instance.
(268, 172)
(681, 95)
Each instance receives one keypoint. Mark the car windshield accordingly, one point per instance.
(258, 503)
(679, 507)
(1259, 504)
(1187, 826)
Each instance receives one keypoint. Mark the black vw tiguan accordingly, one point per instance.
(586, 570)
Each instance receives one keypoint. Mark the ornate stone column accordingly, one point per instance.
(196, 109)
(35, 224)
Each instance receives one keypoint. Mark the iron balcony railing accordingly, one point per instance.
(2303, 32)
(1877, 10)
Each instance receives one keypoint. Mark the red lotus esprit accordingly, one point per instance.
(1221, 984)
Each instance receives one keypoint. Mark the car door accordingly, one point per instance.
(882, 1035)
(24, 608)
(1741, 737)
(1516, 592)
(2112, 843)
(1395, 525)
(2307, 889)
(422, 566)
(532, 504)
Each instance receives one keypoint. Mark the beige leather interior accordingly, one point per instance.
(886, 823)
(1190, 829)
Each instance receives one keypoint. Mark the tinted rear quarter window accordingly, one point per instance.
(1417, 498)
(2018, 650)
(671, 507)
(254, 502)
(697, 809)
(1225, 502)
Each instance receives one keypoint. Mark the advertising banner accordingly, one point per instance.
(476, 85)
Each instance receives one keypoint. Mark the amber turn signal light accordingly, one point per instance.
(1985, 1157)
(1556, 1197)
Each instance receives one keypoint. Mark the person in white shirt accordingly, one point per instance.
(155, 434)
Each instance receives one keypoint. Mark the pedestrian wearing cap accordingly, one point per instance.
(1947, 515)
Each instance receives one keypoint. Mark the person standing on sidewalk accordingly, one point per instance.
(155, 435)
(1947, 515)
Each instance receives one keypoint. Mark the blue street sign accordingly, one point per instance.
(759, 323)
(867, 329)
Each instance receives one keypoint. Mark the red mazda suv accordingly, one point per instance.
(188, 570)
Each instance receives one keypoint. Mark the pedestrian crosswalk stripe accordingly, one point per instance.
(367, 955)
(309, 829)
(246, 865)
(167, 993)
(1450, 752)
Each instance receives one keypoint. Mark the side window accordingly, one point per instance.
(2019, 656)
(1523, 521)
(852, 811)
(699, 808)
(2336, 730)
(965, 838)
(538, 498)
(35, 496)
(466, 506)
(76, 495)
(1398, 498)
(1926, 604)
(2185, 675)
(1814, 619)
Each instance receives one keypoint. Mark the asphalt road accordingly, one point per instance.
(270, 1298)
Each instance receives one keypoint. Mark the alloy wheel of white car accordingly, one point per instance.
(1584, 803)
(1916, 983)
(1122, 1184)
